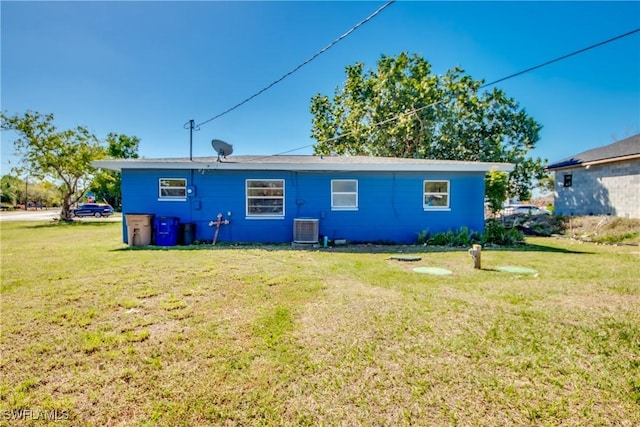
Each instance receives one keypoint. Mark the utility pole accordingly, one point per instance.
(26, 193)
(191, 126)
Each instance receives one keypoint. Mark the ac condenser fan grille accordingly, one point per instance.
(305, 231)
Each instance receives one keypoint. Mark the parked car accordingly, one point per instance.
(92, 209)
(524, 209)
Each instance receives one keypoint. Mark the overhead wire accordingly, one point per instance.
(391, 119)
(560, 58)
(314, 56)
(415, 110)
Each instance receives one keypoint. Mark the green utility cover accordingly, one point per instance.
(432, 270)
(517, 270)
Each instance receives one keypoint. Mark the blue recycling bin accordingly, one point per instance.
(166, 230)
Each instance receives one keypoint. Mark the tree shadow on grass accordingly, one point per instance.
(538, 248)
(75, 224)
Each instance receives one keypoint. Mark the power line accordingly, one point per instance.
(415, 110)
(391, 119)
(560, 58)
(323, 50)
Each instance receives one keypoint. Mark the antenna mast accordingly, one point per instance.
(191, 126)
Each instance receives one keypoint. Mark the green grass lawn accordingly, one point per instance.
(266, 335)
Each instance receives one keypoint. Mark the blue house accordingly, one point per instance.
(276, 199)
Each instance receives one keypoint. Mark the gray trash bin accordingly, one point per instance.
(187, 233)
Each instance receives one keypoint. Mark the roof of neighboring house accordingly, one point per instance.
(305, 163)
(621, 150)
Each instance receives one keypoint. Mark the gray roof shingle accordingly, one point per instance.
(626, 147)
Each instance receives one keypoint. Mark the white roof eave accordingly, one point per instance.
(119, 165)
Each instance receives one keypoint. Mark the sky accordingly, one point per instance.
(146, 68)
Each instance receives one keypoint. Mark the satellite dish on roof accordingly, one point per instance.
(222, 148)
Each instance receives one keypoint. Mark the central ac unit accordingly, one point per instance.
(305, 230)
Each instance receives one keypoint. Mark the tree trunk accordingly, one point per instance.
(65, 214)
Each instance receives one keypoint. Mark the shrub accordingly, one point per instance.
(495, 233)
(460, 237)
(423, 236)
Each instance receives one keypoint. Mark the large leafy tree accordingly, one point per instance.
(44, 194)
(107, 184)
(65, 156)
(12, 190)
(402, 109)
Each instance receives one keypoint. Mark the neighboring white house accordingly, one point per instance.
(601, 181)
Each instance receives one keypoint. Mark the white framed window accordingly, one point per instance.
(172, 189)
(344, 194)
(436, 195)
(265, 198)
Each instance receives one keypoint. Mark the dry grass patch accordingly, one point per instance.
(276, 336)
(603, 229)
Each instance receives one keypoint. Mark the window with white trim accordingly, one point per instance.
(436, 195)
(344, 194)
(265, 197)
(172, 189)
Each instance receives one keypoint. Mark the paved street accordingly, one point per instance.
(47, 215)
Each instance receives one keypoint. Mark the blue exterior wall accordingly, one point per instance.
(390, 204)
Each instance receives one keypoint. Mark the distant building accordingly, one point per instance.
(601, 181)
